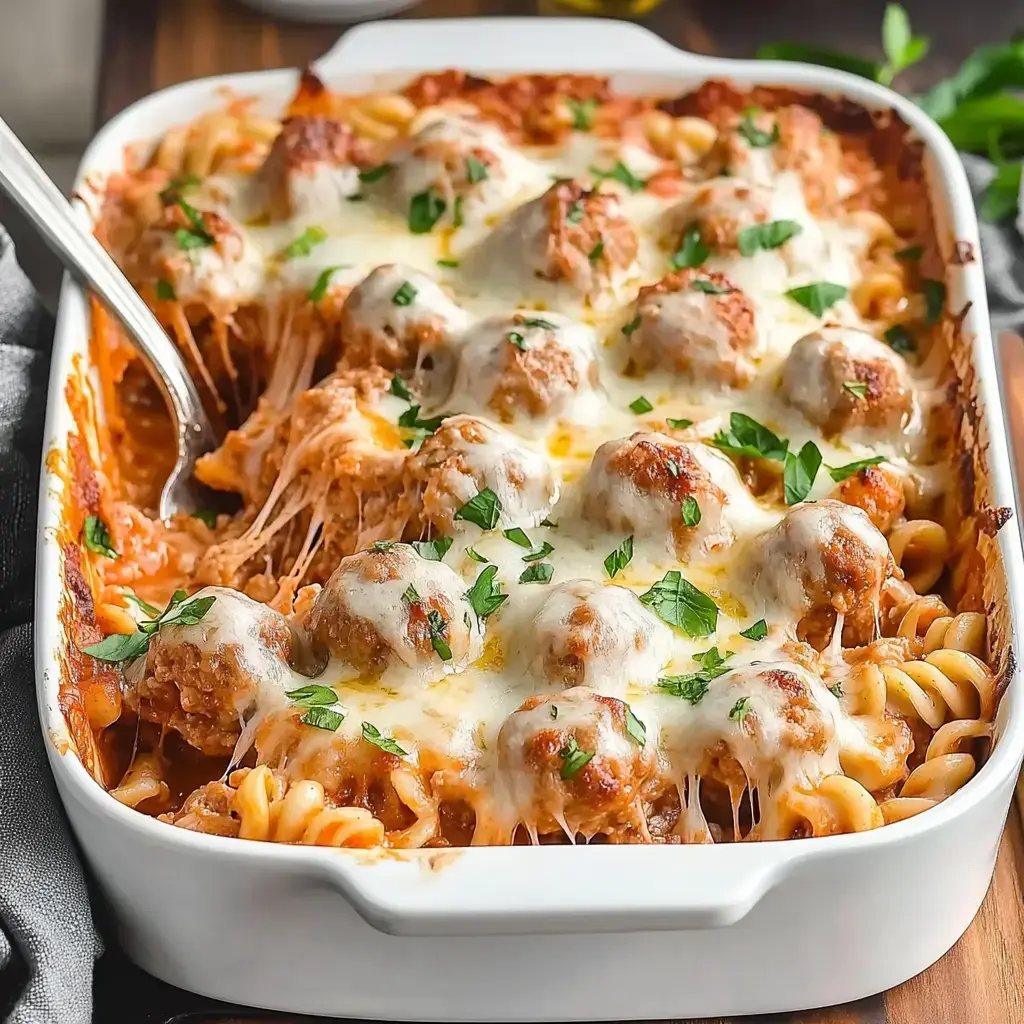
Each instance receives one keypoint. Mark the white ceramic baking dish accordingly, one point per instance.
(556, 932)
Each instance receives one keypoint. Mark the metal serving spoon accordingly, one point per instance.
(32, 191)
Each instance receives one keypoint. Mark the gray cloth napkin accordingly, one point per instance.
(47, 940)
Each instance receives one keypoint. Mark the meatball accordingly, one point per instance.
(204, 680)
(570, 235)
(638, 485)
(598, 635)
(841, 378)
(387, 607)
(309, 168)
(878, 490)
(528, 367)
(465, 456)
(458, 171)
(401, 319)
(788, 139)
(825, 559)
(203, 257)
(764, 727)
(570, 763)
(695, 323)
(721, 209)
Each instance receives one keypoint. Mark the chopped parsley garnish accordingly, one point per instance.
(539, 572)
(382, 545)
(196, 236)
(857, 388)
(97, 537)
(450, 264)
(405, 294)
(399, 388)
(180, 611)
(323, 718)
(372, 174)
(319, 290)
(900, 340)
(690, 511)
(318, 702)
(457, 212)
(372, 735)
(553, 711)
(758, 631)
(836, 689)
(175, 188)
(619, 558)
(913, 252)
(801, 469)
(483, 509)
(712, 661)
(517, 339)
(766, 236)
(439, 635)
(640, 406)
(748, 437)
(542, 552)
(692, 251)
(165, 290)
(740, 709)
(632, 325)
(754, 135)
(622, 174)
(421, 428)
(710, 288)
(475, 555)
(692, 687)
(484, 596)
(425, 210)
(573, 758)
(476, 170)
(840, 473)
(432, 550)
(305, 243)
(411, 595)
(816, 298)
(206, 515)
(635, 729)
(143, 605)
(596, 253)
(582, 113)
(548, 523)
(679, 603)
(934, 299)
(575, 212)
(518, 536)
(540, 323)
(679, 424)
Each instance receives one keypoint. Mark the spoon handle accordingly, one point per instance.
(32, 191)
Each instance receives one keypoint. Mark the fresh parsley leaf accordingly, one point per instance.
(539, 323)
(475, 555)
(372, 174)
(934, 298)
(97, 537)
(165, 290)
(399, 388)
(987, 70)
(323, 718)
(382, 545)
(679, 603)
(439, 635)
(425, 210)
(517, 339)
(1002, 195)
(911, 253)
(801, 469)
(816, 298)
(188, 239)
(372, 735)
(836, 689)
(857, 388)
(902, 48)
(457, 212)
(432, 550)
(679, 424)
(900, 340)
(632, 325)
(619, 558)
(840, 473)
(305, 243)
(476, 170)
(411, 595)
(405, 294)
(740, 709)
(575, 212)
(755, 136)
(690, 511)
(640, 406)
(548, 523)
(542, 552)
(518, 536)
(450, 264)
(635, 729)
(419, 427)
(539, 572)
(313, 695)
(710, 288)
(484, 595)
(766, 236)
(807, 54)
(319, 289)
(713, 661)
(573, 758)
(582, 113)
(693, 686)
(597, 252)
(622, 174)
(692, 251)
(748, 437)
(176, 187)
(483, 509)
(119, 647)
(758, 631)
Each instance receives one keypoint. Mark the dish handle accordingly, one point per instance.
(556, 889)
(498, 44)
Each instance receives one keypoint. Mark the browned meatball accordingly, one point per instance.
(309, 169)
(388, 607)
(841, 378)
(204, 680)
(825, 558)
(637, 485)
(697, 323)
(720, 210)
(465, 456)
(878, 490)
(567, 763)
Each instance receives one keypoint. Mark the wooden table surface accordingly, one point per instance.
(148, 44)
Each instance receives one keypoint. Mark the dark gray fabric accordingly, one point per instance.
(47, 940)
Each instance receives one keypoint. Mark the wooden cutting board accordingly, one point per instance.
(151, 44)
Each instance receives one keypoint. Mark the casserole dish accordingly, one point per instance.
(475, 932)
